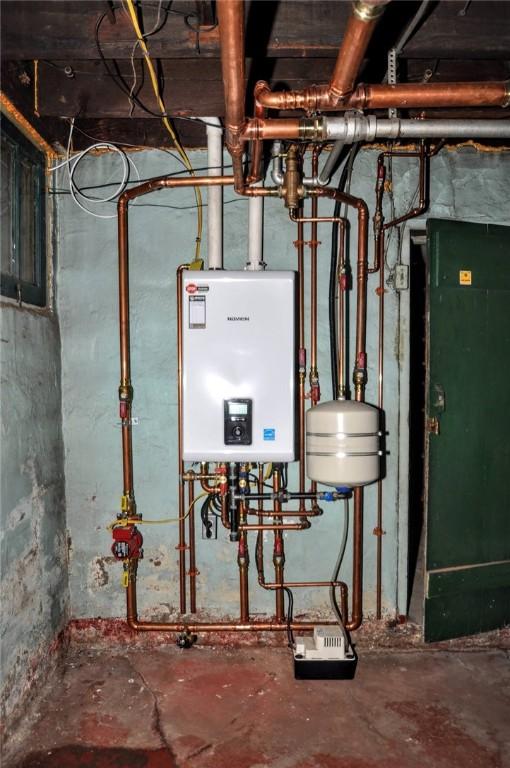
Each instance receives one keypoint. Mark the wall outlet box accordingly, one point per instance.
(401, 277)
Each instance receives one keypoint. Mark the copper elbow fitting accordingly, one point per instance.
(368, 10)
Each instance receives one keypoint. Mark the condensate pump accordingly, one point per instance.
(327, 655)
(343, 443)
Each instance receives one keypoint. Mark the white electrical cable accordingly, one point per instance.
(72, 162)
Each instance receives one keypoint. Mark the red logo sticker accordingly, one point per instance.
(191, 288)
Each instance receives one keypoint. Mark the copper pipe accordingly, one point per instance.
(362, 271)
(417, 95)
(125, 366)
(401, 96)
(284, 128)
(313, 219)
(380, 403)
(243, 561)
(220, 626)
(290, 513)
(279, 549)
(303, 526)
(380, 228)
(358, 33)
(302, 359)
(182, 518)
(314, 374)
(231, 30)
(192, 475)
(192, 556)
(359, 379)
(224, 511)
(257, 147)
(204, 472)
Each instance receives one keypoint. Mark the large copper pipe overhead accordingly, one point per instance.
(231, 28)
(416, 95)
(358, 33)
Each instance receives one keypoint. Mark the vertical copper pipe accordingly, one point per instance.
(314, 373)
(192, 552)
(180, 462)
(380, 403)
(243, 562)
(257, 148)
(313, 278)
(279, 552)
(359, 379)
(125, 359)
(231, 29)
(302, 359)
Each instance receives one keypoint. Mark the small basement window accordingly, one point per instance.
(23, 218)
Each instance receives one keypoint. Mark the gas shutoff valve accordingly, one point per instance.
(127, 542)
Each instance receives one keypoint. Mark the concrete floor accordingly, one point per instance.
(218, 707)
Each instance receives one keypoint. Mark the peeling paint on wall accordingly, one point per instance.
(33, 538)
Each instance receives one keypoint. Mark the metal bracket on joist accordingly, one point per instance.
(392, 76)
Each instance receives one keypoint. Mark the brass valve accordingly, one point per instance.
(293, 189)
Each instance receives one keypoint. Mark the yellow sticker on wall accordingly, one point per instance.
(465, 277)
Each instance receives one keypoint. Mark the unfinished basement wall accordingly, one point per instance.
(465, 185)
(34, 578)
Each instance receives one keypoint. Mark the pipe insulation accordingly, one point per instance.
(214, 194)
(367, 128)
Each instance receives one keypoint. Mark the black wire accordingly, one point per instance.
(141, 181)
(204, 514)
(256, 480)
(290, 616)
(119, 81)
(333, 340)
(156, 205)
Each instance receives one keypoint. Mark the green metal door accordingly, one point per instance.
(467, 486)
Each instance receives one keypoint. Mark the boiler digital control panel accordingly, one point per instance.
(237, 422)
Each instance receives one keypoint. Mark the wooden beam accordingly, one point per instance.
(191, 87)
(483, 32)
(66, 29)
(290, 28)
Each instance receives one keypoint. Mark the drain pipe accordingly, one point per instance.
(214, 194)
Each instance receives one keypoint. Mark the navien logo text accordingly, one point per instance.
(236, 319)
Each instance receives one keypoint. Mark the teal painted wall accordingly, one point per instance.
(34, 578)
(465, 184)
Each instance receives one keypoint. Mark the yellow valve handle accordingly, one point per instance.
(125, 579)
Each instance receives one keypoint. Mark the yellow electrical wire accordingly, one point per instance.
(134, 521)
(166, 122)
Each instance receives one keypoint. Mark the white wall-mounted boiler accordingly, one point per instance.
(239, 366)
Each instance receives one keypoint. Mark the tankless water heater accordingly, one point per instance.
(239, 366)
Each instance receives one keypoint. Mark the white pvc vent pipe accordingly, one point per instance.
(214, 194)
(255, 233)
